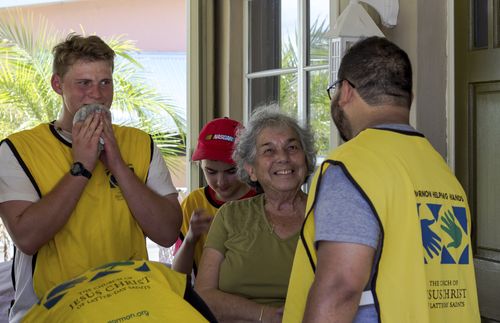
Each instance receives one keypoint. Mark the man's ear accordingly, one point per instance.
(251, 172)
(56, 83)
(346, 93)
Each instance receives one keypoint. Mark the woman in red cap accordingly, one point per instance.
(214, 150)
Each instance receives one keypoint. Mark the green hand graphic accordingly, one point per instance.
(452, 229)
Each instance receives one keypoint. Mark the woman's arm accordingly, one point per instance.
(228, 307)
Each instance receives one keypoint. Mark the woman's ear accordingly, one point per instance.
(56, 83)
(251, 172)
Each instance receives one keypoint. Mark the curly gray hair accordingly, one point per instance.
(265, 117)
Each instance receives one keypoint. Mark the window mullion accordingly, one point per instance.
(246, 47)
(301, 62)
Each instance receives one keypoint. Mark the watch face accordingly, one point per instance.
(76, 169)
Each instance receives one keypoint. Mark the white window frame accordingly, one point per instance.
(302, 69)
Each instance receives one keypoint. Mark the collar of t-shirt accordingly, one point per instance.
(219, 203)
(397, 126)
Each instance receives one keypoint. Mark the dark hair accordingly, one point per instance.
(77, 47)
(380, 70)
(245, 149)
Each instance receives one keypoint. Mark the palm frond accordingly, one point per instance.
(26, 95)
(170, 144)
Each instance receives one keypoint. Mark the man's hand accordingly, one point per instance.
(110, 156)
(198, 225)
(85, 140)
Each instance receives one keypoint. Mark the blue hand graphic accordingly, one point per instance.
(430, 239)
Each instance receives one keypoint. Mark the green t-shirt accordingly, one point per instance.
(257, 262)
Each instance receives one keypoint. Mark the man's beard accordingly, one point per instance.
(340, 119)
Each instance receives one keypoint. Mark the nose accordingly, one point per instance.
(94, 91)
(282, 155)
(221, 179)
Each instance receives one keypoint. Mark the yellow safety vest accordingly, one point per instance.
(142, 291)
(101, 228)
(425, 272)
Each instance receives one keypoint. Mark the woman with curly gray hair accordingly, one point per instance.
(246, 263)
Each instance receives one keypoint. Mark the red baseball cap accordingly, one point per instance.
(216, 140)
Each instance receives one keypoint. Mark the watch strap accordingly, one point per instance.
(77, 169)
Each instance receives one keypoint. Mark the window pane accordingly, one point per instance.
(289, 33)
(480, 23)
(273, 28)
(319, 24)
(496, 21)
(486, 152)
(319, 109)
(281, 89)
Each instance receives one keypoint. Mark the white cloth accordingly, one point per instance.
(6, 290)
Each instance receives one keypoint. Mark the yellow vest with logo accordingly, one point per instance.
(142, 291)
(425, 272)
(101, 228)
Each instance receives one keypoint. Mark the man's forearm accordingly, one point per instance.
(159, 217)
(330, 305)
(32, 225)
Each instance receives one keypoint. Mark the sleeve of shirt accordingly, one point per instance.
(159, 179)
(217, 235)
(342, 214)
(14, 183)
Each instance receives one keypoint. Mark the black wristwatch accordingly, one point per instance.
(77, 169)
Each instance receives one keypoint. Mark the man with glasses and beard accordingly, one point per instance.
(382, 236)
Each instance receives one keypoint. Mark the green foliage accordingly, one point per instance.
(27, 99)
(318, 101)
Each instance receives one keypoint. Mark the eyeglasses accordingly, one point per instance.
(331, 89)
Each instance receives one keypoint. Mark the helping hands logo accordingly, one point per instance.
(444, 234)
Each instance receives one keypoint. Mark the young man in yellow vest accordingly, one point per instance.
(387, 230)
(74, 197)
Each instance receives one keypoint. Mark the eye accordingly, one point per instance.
(209, 171)
(293, 147)
(267, 151)
(105, 82)
(84, 83)
(231, 171)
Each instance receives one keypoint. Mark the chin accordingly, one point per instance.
(224, 194)
(288, 188)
